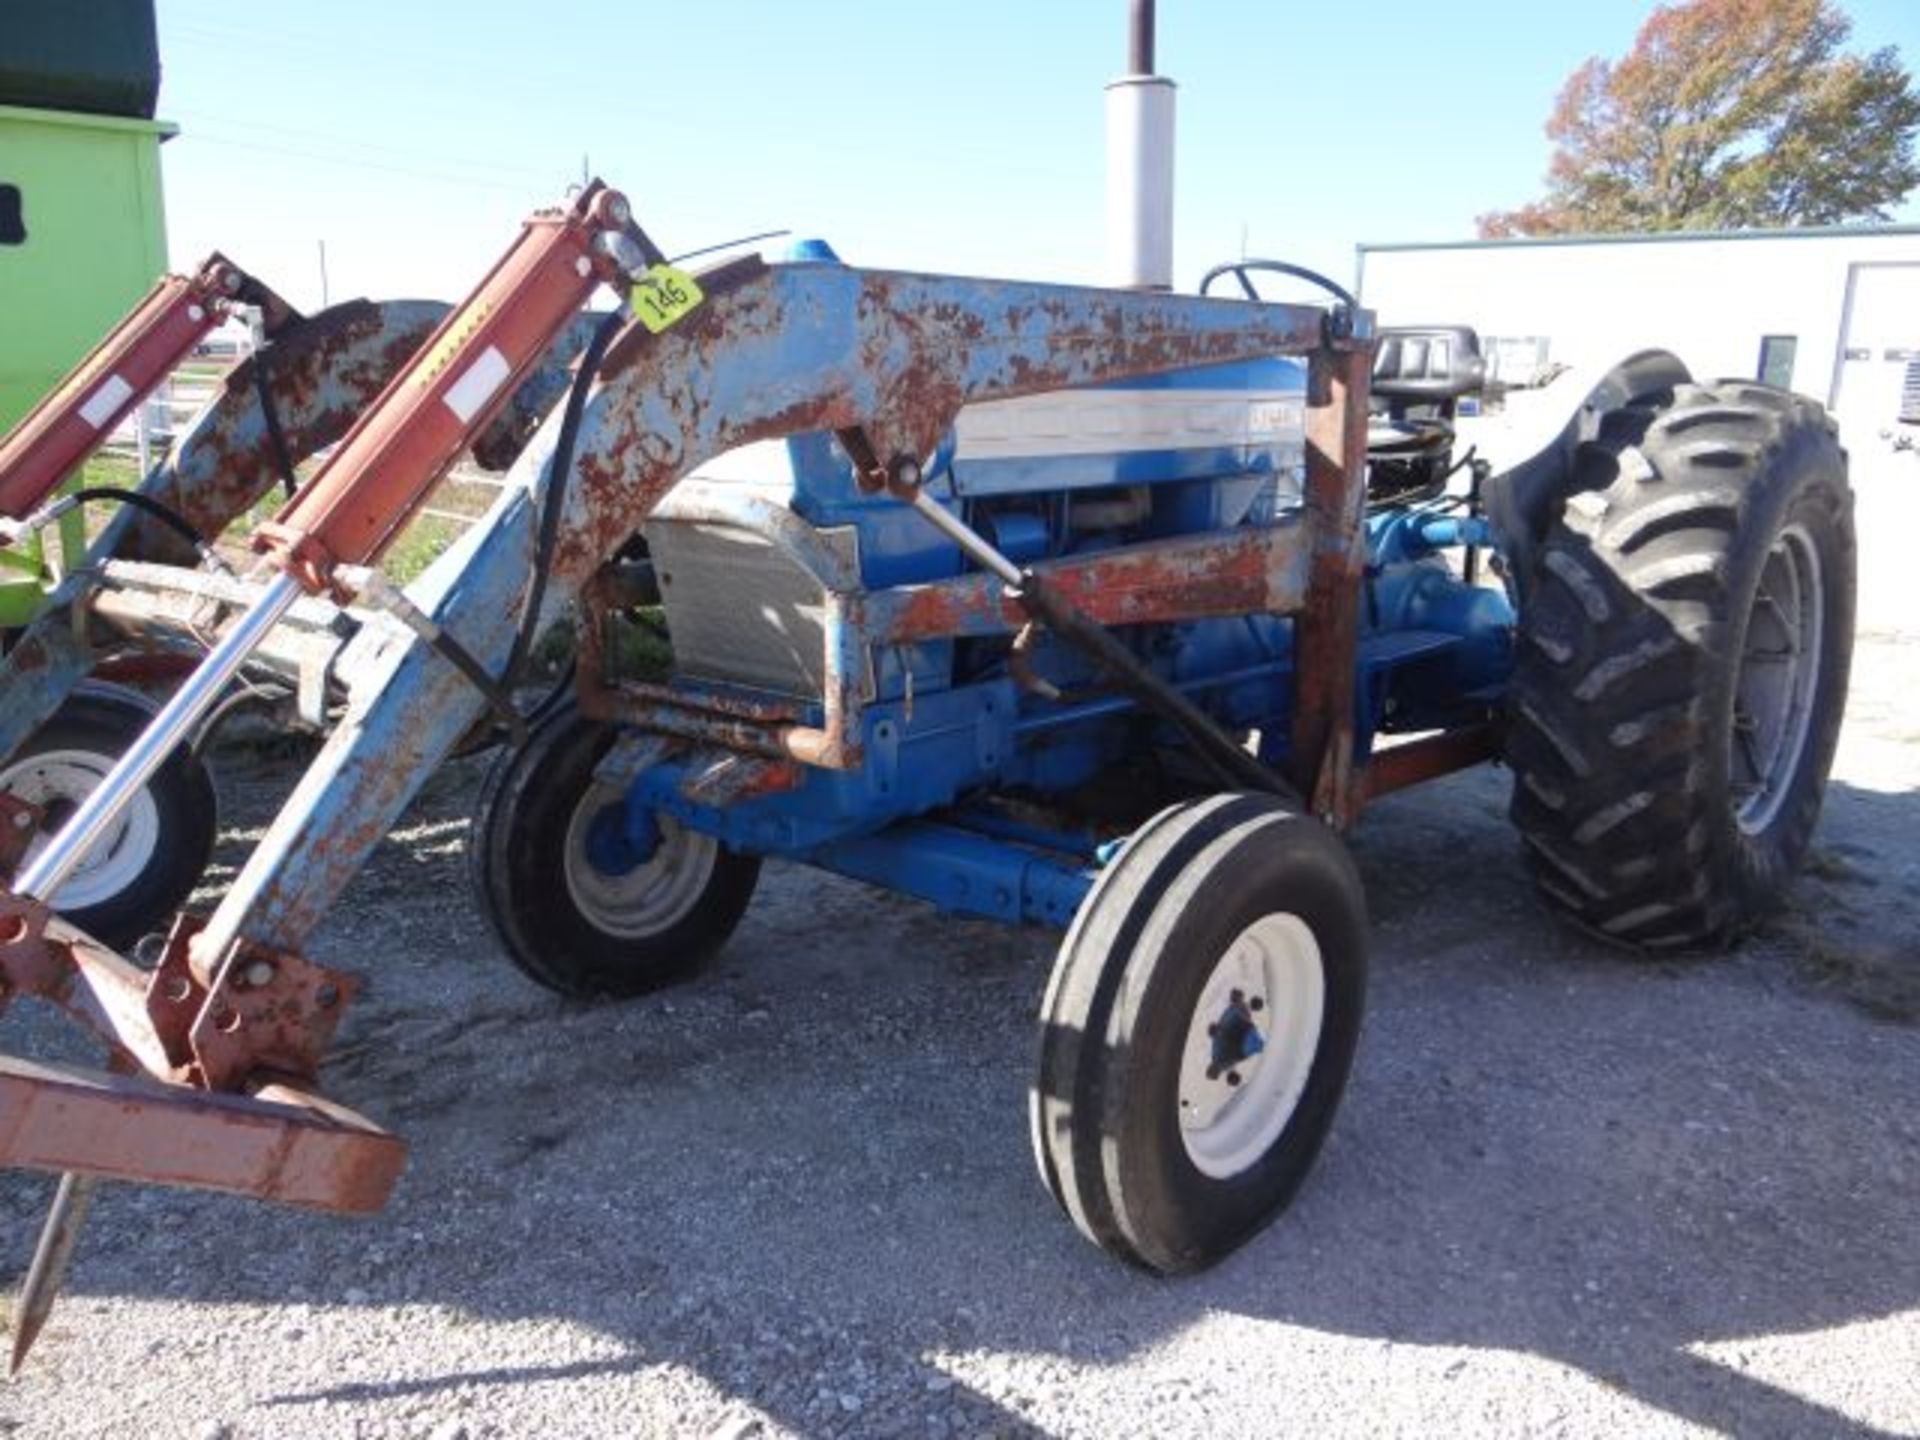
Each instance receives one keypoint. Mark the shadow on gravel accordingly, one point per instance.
(1852, 924)
(804, 1177)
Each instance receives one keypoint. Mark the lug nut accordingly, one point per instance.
(258, 973)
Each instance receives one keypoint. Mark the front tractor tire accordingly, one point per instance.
(579, 905)
(1683, 667)
(1198, 1030)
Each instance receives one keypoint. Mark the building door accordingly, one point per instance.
(1880, 334)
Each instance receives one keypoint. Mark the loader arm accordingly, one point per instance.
(775, 351)
(769, 352)
(128, 364)
(320, 374)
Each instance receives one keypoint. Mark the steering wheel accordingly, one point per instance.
(1239, 268)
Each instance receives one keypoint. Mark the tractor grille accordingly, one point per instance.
(1910, 395)
(739, 609)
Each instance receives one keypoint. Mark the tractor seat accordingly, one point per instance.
(1420, 372)
(1406, 437)
(1427, 365)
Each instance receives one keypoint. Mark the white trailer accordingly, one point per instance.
(1831, 312)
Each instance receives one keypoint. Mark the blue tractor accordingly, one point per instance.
(1104, 609)
(1123, 660)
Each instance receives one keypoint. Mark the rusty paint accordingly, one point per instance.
(799, 348)
(46, 958)
(1327, 627)
(322, 372)
(20, 821)
(395, 452)
(175, 995)
(281, 1143)
(264, 1134)
(265, 1010)
(749, 723)
(1236, 572)
(145, 667)
(30, 963)
(1398, 766)
(690, 695)
(723, 779)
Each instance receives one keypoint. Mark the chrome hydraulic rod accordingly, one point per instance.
(968, 539)
(45, 872)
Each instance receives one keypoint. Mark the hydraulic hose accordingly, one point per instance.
(559, 471)
(146, 504)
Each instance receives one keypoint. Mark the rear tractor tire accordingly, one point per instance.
(582, 905)
(1683, 670)
(1198, 1030)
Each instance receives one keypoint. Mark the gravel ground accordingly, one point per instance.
(1568, 1193)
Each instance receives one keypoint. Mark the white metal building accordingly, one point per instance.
(1833, 312)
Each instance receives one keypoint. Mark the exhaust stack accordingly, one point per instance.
(1140, 166)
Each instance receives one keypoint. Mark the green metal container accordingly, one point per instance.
(82, 237)
(98, 56)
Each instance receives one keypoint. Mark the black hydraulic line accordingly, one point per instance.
(497, 690)
(499, 696)
(282, 456)
(559, 470)
(203, 733)
(159, 510)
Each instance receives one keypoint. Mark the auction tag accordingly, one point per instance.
(662, 296)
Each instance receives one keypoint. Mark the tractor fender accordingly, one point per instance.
(1521, 497)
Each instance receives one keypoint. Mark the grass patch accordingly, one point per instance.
(420, 544)
(122, 472)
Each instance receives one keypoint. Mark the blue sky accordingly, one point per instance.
(412, 137)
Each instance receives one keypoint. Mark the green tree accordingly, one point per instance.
(1727, 114)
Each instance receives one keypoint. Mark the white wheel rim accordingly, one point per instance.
(58, 780)
(1231, 1115)
(1774, 689)
(649, 898)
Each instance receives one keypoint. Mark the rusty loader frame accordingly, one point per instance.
(138, 606)
(214, 1053)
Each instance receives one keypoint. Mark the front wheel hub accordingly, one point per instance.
(621, 838)
(1250, 1045)
(1236, 1037)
